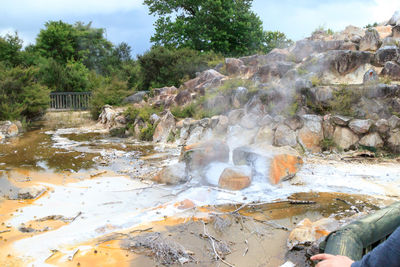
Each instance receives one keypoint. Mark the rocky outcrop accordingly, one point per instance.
(371, 40)
(344, 138)
(360, 126)
(392, 70)
(273, 163)
(136, 98)
(165, 126)
(284, 136)
(386, 53)
(372, 140)
(311, 135)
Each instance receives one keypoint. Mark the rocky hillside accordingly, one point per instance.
(328, 92)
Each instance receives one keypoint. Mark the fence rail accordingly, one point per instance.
(70, 100)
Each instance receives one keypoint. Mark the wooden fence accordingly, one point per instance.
(70, 100)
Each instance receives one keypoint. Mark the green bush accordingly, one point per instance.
(146, 134)
(187, 111)
(109, 92)
(343, 101)
(327, 144)
(21, 96)
(161, 66)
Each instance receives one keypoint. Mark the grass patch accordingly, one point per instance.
(327, 144)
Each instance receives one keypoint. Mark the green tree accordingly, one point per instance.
(20, 93)
(10, 50)
(275, 39)
(225, 26)
(58, 41)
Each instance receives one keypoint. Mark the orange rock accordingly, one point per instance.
(185, 204)
(234, 179)
(283, 167)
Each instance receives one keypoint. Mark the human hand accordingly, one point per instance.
(329, 260)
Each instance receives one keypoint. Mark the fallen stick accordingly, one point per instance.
(213, 246)
(301, 202)
(5, 231)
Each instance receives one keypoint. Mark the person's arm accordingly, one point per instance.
(386, 254)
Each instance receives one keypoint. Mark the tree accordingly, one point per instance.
(64, 42)
(225, 26)
(275, 39)
(10, 50)
(20, 93)
(57, 41)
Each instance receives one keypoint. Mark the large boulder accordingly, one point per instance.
(371, 40)
(164, 91)
(234, 178)
(294, 122)
(382, 126)
(284, 136)
(233, 66)
(199, 155)
(360, 126)
(396, 31)
(107, 116)
(8, 129)
(273, 70)
(183, 97)
(274, 163)
(344, 138)
(136, 98)
(205, 80)
(284, 167)
(346, 61)
(394, 122)
(265, 135)
(172, 174)
(386, 53)
(392, 70)
(165, 126)
(395, 19)
(372, 140)
(341, 120)
(311, 135)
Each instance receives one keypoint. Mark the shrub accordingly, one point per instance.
(109, 92)
(146, 134)
(343, 101)
(161, 66)
(21, 96)
(187, 111)
(327, 144)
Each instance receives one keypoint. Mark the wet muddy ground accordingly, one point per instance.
(96, 206)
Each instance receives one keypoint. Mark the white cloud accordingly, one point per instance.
(68, 7)
(298, 19)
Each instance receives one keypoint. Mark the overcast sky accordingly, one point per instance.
(128, 20)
